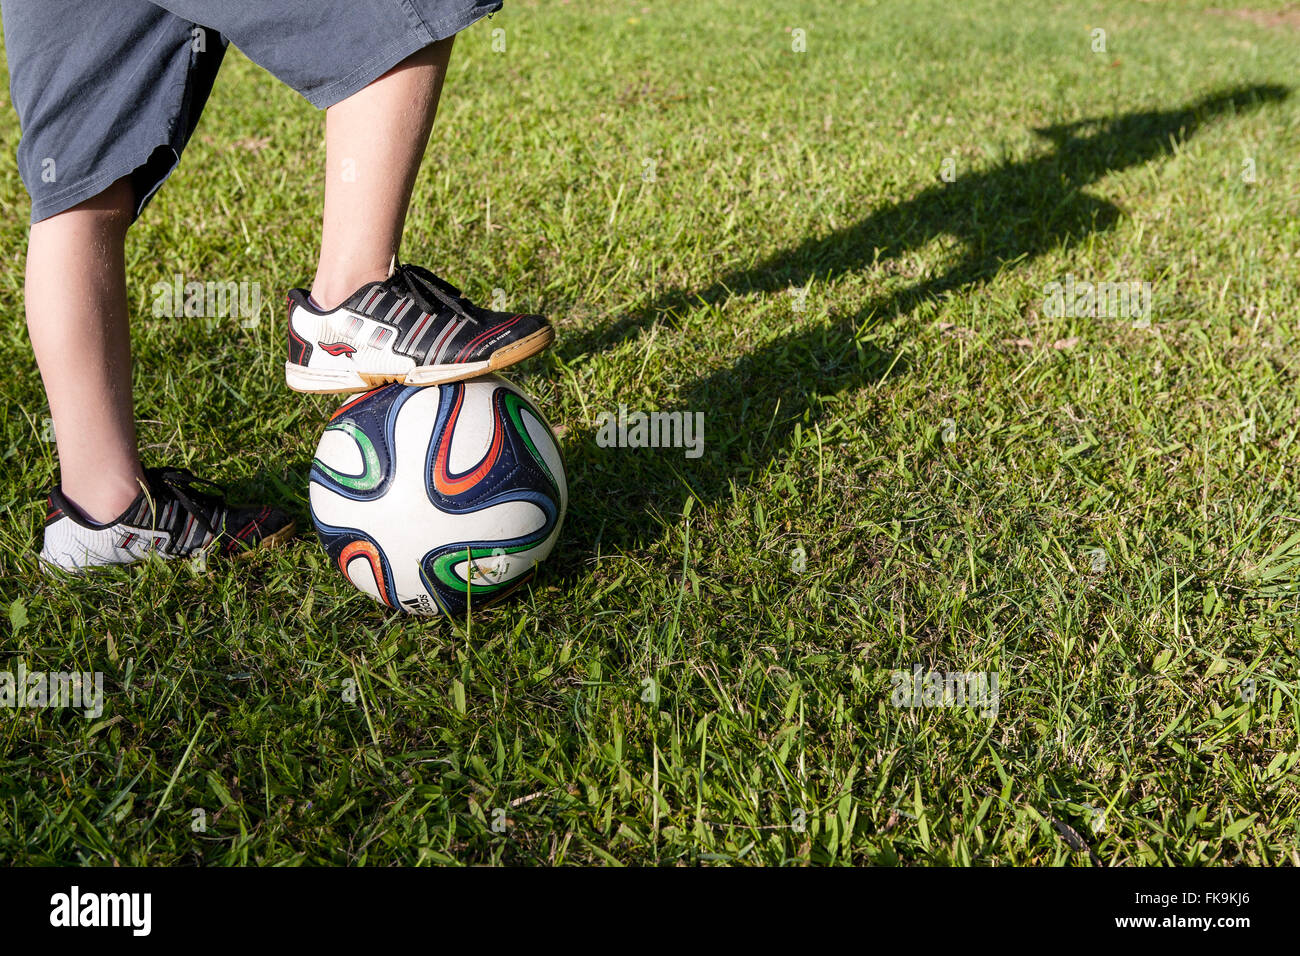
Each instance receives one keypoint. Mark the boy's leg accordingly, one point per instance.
(374, 141)
(107, 508)
(77, 318)
(367, 320)
(108, 93)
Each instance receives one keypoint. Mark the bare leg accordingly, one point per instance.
(77, 319)
(374, 141)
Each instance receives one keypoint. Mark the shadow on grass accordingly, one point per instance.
(1015, 211)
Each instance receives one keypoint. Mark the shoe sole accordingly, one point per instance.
(273, 540)
(300, 378)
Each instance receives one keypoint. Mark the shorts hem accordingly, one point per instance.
(63, 201)
(394, 53)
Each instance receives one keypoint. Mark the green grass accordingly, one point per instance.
(950, 458)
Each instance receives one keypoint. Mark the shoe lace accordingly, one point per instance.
(195, 501)
(430, 292)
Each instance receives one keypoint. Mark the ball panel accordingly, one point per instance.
(348, 458)
(542, 444)
(471, 429)
(360, 559)
(362, 564)
(449, 483)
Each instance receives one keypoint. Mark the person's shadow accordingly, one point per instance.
(1013, 212)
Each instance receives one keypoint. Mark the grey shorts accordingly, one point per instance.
(110, 88)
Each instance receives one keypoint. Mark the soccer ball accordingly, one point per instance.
(435, 499)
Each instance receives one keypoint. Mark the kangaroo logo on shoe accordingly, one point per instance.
(337, 348)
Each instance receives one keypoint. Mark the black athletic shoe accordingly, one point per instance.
(413, 328)
(172, 518)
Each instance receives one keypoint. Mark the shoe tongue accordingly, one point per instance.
(425, 294)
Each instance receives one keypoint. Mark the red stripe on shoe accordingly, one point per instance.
(440, 342)
(484, 336)
(255, 523)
